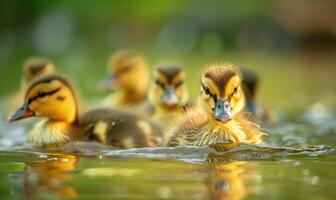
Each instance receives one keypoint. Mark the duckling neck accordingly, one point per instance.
(161, 109)
(165, 115)
(216, 132)
(133, 96)
(48, 133)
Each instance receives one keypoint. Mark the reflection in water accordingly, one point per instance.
(226, 180)
(47, 177)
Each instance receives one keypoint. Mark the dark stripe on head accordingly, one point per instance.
(169, 71)
(220, 76)
(41, 95)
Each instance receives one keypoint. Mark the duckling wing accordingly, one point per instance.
(251, 129)
(119, 128)
(185, 127)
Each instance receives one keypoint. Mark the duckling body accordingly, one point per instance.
(128, 78)
(120, 128)
(168, 93)
(53, 98)
(219, 117)
(32, 68)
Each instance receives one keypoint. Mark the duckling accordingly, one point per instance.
(53, 98)
(128, 75)
(168, 93)
(32, 68)
(250, 85)
(219, 117)
(35, 67)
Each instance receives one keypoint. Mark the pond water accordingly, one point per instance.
(296, 161)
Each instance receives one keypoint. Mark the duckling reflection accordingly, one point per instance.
(225, 180)
(128, 76)
(168, 93)
(32, 69)
(49, 177)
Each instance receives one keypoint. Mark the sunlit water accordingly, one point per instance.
(296, 161)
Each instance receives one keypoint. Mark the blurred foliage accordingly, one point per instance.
(80, 35)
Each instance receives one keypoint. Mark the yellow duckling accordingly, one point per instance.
(168, 93)
(219, 117)
(53, 98)
(32, 68)
(250, 85)
(128, 75)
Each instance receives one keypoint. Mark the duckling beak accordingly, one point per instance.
(169, 98)
(223, 111)
(111, 82)
(21, 113)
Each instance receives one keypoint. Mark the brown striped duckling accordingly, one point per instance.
(250, 85)
(32, 68)
(128, 76)
(168, 93)
(219, 117)
(35, 67)
(53, 98)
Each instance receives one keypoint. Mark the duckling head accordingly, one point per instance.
(127, 70)
(168, 89)
(49, 96)
(35, 67)
(250, 85)
(221, 93)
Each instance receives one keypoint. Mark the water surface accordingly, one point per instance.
(297, 161)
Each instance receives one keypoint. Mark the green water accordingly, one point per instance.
(285, 167)
(35, 175)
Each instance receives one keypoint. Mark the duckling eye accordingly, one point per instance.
(179, 84)
(207, 91)
(159, 83)
(235, 90)
(41, 94)
(126, 68)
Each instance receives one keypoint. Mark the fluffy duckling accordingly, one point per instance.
(32, 68)
(128, 76)
(35, 67)
(219, 117)
(53, 98)
(250, 85)
(168, 94)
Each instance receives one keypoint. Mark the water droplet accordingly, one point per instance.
(305, 172)
(315, 180)
(43, 156)
(258, 178)
(165, 193)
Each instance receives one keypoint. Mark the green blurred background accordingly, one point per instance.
(291, 44)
